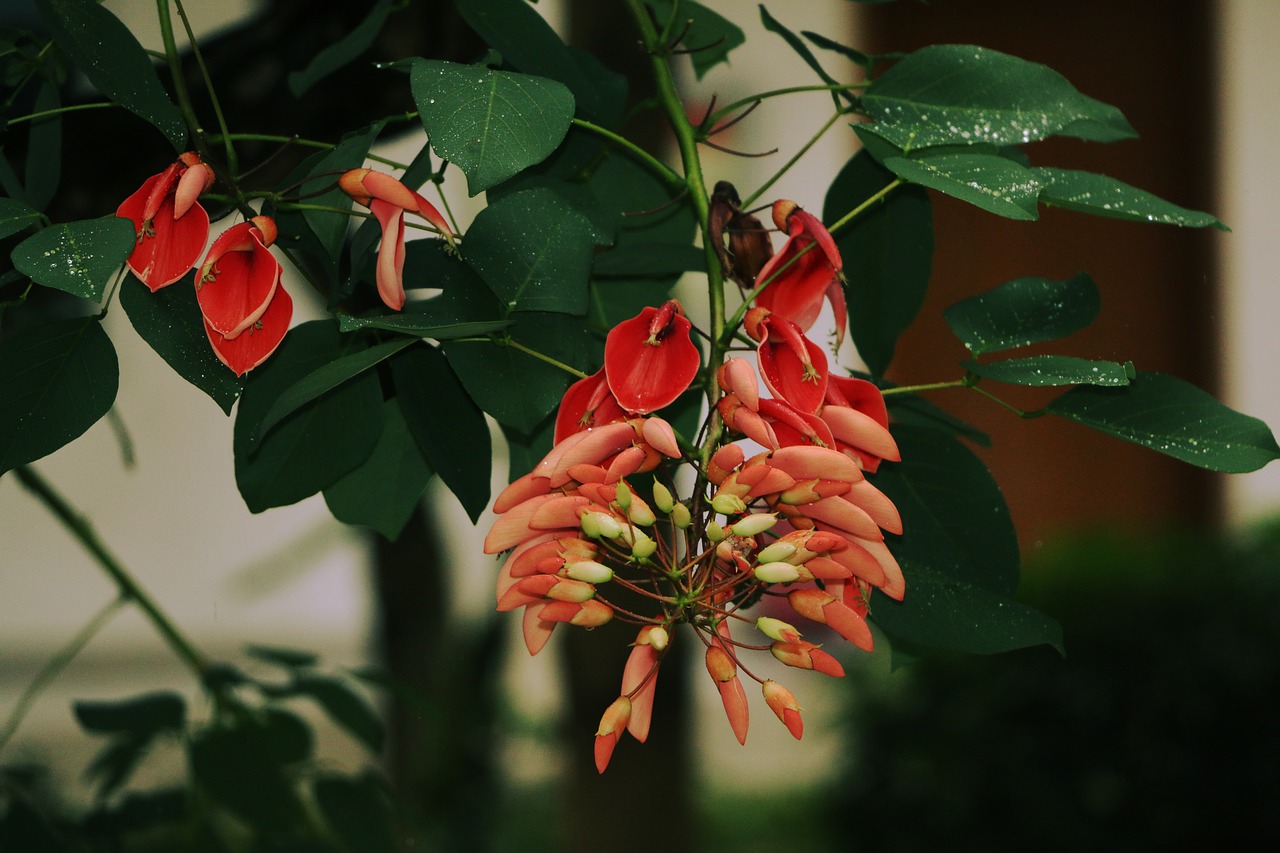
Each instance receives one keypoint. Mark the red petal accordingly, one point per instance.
(246, 351)
(235, 291)
(588, 403)
(792, 366)
(646, 376)
(390, 269)
(161, 258)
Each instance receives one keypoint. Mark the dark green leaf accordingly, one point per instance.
(325, 378)
(961, 94)
(329, 228)
(109, 55)
(534, 251)
(15, 216)
(1024, 311)
(491, 124)
(287, 658)
(316, 445)
(1040, 370)
(802, 50)
(518, 389)
(56, 381)
(991, 182)
(524, 450)
(170, 321)
(709, 37)
(76, 257)
(385, 491)
(650, 260)
(243, 767)
(358, 812)
(44, 144)
(1174, 417)
(958, 552)
(528, 43)
(420, 327)
(447, 425)
(148, 714)
(339, 54)
(888, 254)
(344, 706)
(1102, 196)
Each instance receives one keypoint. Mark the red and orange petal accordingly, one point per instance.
(588, 403)
(237, 281)
(168, 246)
(797, 292)
(793, 367)
(649, 360)
(389, 273)
(611, 726)
(256, 344)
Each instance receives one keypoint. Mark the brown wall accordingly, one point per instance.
(1153, 60)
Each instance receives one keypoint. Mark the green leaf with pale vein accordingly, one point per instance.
(993, 183)
(1024, 311)
(1099, 195)
(1042, 370)
(76, 257)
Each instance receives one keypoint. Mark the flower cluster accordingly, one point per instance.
(246, 312)
(781, 516)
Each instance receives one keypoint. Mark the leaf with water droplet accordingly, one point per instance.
(1087, 192)
(1024, 311)
(1043, 370)
(946, 94)
(1173, 417)
(76, 257)
(991, 182)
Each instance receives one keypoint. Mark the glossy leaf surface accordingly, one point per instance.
(987, 181)
(1024, 311)
(1038, 370)
(342, 52)
(76, 257)
(1099, 195)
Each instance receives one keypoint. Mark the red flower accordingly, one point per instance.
(859, 422)
(171, 225)
(588, 403)
(803, 280)
(246, 312)
(793, 367)
(389, 200)
(649, 359)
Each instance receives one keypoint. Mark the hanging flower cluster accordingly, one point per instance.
(781, 511)
(246, 312)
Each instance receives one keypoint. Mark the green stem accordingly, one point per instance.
(56, 665)
(297, 140)
(516, 345)
(175, 71)
(786, 167)
(763, 96)
(661, 169)
(129, 588)
(232, 162)
(1022, 413)
(918, 389)
(59, 111)
(687, 139)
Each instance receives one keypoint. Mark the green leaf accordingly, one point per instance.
(527, 42)
(148, 714)
(857, 57)
(524, 450)
(654, 259)
(1102, 196)
(170, 321)
(1173, 417)
(1024, 311)
(447, 425)
(958, 552)
(113, 60)
(342, 52)
(325, 378)
(357, 811)
(330, 228)
(988, 181)
(244, 766)
(889, 252)
(1039, 370)
(287, 658)
(76, 257)
(56, 381)
(318, 444)
(409, 323)
(491, 124)
(15, 216)
(343, 705)
(709, 37)
(44, 170)
(385, 491)
(518, 389)
(961, 94)
(534, 251)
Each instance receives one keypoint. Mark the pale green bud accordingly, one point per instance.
(753, 524)
(641, 515)
(680, 516)
(659, 638)
(728, 504)
(643, 546)
(589, 571)
(777, 573)
(622, 494)
(715, 532)
(662, 498)
(597, 525)
(776, 629)
(777, 551)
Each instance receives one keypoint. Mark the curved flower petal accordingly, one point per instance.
(588, 403)
(803, 275)
(649, 359)
(256, 344)
(168, 246)
(237, 280)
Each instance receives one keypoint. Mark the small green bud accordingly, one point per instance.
(589, 571)
(728, 504)
(680, 516)
(777, 573)
(777, 551)
(662, 498)
(622, 494)
(715, 532)
(753, 524)
(643, 546)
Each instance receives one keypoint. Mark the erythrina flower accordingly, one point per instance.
(649, 359)
(390, 200)
(588, 403)
(246, 311)
(171, 225)
(805, 272)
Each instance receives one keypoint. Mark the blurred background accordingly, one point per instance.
(1154, 732)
